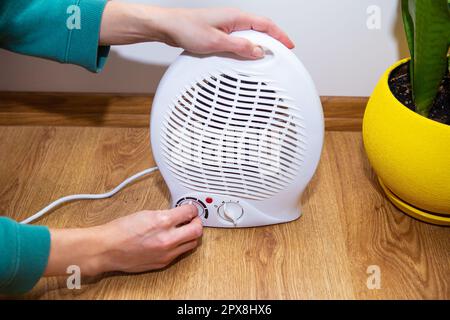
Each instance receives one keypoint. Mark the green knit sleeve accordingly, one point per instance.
(24, 252)
(65, 30)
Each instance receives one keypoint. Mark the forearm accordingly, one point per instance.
(84, 247)
(126, 23)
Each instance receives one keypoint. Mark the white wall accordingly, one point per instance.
(344, 57)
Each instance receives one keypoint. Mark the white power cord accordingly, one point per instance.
(88, 196)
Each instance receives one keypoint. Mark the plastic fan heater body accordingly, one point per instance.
(240, 139)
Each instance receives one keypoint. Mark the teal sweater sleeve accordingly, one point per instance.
(24, 252)
(62, 30)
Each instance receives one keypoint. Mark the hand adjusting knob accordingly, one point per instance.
(198, 205)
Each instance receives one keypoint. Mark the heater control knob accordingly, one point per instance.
(197, 203)
(231, 211)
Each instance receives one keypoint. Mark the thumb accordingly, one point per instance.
(242, 47)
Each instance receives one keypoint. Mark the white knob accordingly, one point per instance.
(198, 205)
(231, 211)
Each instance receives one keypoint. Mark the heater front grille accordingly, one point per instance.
(234, 134)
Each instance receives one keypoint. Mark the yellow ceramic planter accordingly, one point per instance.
(410, 154)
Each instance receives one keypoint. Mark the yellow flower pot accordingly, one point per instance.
(410, 154)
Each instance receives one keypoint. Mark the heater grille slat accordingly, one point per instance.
(278, 114)
(230, 156)
(210, 161)
(234, 134)
(219, 180)
(214, 171)
(243, 105)
(253, 132)
(211, 142)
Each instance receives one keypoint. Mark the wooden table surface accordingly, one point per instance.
(346, 227)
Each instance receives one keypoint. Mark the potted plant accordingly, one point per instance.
(406, 126)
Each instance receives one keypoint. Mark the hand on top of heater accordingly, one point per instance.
(195, 30)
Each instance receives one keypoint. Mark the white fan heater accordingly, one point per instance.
(240, 139)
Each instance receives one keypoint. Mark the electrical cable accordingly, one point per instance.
(74, 197)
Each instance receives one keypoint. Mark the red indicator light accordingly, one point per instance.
(209, 200)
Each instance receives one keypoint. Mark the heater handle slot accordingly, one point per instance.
(271, 47)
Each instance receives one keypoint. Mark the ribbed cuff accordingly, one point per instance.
(82, 45)
(28, 249)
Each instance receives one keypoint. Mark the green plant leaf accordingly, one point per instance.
(408, 9)
(431, 20)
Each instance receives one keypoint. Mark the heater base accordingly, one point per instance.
(220, 211)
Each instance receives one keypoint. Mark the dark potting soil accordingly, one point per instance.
(400, 85)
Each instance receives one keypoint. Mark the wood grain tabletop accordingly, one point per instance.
(347, 224)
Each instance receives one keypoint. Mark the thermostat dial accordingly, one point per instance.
(201, 207)
(231, 211)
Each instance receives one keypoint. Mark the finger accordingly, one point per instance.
(240, 46)
(188, 232)
(262, 24)
(181, 214)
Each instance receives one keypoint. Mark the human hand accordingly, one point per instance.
(196, 30)
(143, 241)
(207, 31)
(150, 240)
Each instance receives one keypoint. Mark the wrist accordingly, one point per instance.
(84, 247)
(95, 245)
(125, 23)
(154, 23)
